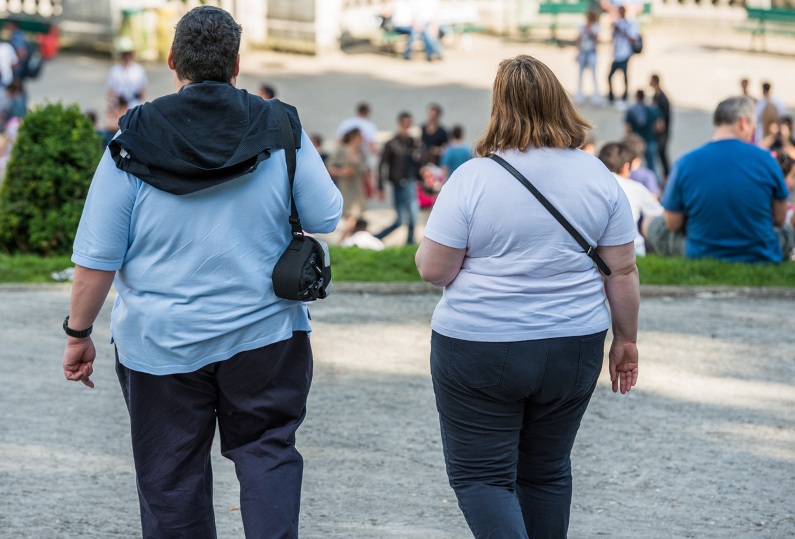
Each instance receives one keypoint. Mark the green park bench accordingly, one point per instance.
(761, 22)
(550, 16)
(33, 26)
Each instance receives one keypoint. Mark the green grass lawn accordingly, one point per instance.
(397, 264)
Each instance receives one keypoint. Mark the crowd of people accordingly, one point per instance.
(413, 165)
(17, 63)
(729, 199)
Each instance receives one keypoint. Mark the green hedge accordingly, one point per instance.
(397, 265)
(47, 179)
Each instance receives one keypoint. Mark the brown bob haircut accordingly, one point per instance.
(530, 109)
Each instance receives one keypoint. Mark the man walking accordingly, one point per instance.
(726, 199)
(188, 210)
(663, 130)
(644, 121)
(624, 34)
(399, 165)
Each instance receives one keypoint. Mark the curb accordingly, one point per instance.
(421, 288)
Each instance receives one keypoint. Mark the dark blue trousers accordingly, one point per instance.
(509, 413)
(258, 398)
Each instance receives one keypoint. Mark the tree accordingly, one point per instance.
(47, 179)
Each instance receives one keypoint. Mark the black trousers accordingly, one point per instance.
(258, 399)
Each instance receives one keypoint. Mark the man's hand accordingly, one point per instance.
(623, 365)
(78, 360)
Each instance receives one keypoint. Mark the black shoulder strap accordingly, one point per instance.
(289, 157)
(589, 249)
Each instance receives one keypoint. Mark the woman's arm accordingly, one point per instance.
(437, 263)
(622, 288)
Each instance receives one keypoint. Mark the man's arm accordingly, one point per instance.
(779, 212)
(622, 289)
(89, 290)
(674, 220)
(437, 263)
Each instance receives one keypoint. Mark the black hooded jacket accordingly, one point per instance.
(204, 135)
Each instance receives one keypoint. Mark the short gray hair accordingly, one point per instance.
(729, 111)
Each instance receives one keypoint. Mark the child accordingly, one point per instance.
(586, 57)
(645, 207)
(636, 147)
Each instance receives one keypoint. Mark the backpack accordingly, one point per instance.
(637, 44)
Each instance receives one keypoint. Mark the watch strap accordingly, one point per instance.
(78, 334)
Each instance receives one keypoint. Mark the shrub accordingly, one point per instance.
(47, 180)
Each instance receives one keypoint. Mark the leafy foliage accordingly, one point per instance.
(47, 180)
(397, 265)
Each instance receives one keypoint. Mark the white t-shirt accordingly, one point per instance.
(8, 57)
(622, 46)
(524, 277)
(643, 204)
(367, 127)
(128, 82)
(587, 39)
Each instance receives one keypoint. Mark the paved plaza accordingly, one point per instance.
(704, 447)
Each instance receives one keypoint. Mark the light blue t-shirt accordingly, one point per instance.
(455, 156)
(726, 190)
(193, 272)
(524, 277)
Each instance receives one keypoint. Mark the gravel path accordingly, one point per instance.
(705, 447)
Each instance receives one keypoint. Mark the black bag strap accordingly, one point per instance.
(289, 157)
(589, 249)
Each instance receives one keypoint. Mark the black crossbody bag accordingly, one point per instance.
(303, 271)
(590, 250)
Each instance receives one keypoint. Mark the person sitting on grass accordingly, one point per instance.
(726, 199)
(645, 207)
(636, 147)
(363, 239)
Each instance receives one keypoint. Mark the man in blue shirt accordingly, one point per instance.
(186, 216)
(726, 199)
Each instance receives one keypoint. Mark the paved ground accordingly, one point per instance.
(702, 448)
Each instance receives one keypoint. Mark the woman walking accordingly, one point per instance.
(518, 336)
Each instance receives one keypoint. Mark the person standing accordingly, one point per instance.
(457, 152)
(127, 80)
(8, 62)
(400, 167)
(186, 216)
(624, 34)
(349, 170)
(518, 336)
(369, 131)
(644, 121)
(586, 56)
(434, 136)
(769, 109)
(663, 129)
(726, 199)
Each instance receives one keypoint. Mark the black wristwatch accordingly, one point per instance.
(75, 333)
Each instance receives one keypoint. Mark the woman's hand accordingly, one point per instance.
(623, 358)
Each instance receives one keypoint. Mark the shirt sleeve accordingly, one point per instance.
(621, 227)
(448, 223)
(317, 199)
(103, 235)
